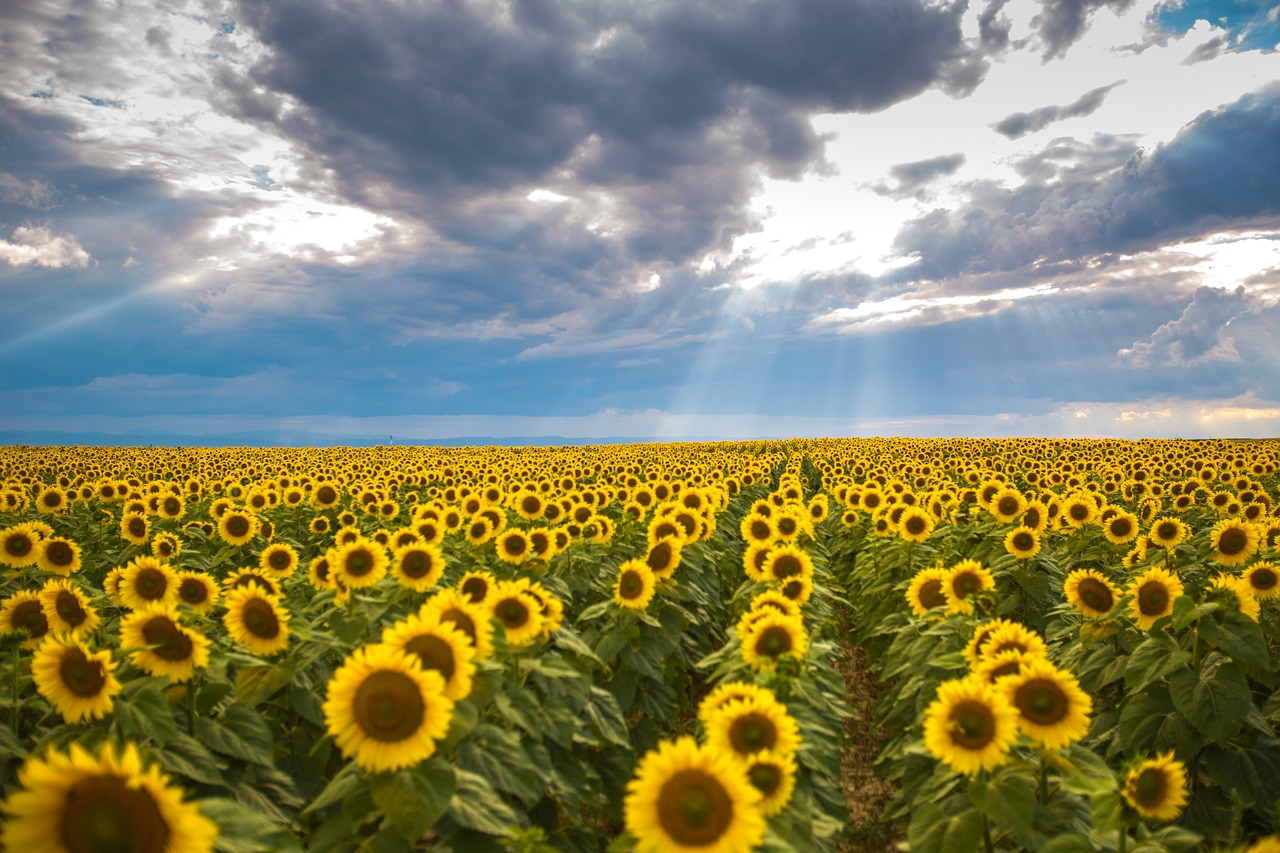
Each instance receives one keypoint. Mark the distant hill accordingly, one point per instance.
(295, 438)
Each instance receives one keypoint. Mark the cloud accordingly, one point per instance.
(1061, 23)
(38, 246)
(1199, 336)
(1221, 170)
(913, 177)
(1020, 124)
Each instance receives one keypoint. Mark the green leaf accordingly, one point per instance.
(146, 714)
(1142, 715)
(1008, 797)
(1239, 637)
(243, 830)
(255, 684)
(1215, 700)
(606, 718)
(339, 788)
(239, 732)
(9, 743)
(499, 756)
(476, 805)
(187, 757)
(568, 639)
(933, 831)
(415, 798)
(1156, 658)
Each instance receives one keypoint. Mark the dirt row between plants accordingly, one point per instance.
(866, 794)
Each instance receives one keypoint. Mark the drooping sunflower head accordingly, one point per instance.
(965, 581)
(926, 591)
(1154, 592)
(1052, 709)
(439, 646)
(1089, 591)
(108, 802)
(1236, 593)
(970, 726)
(686, 798)
(1157, 788)
(386, 711)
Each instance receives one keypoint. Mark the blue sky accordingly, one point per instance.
(661, 219)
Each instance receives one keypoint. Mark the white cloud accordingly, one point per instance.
(38, 246)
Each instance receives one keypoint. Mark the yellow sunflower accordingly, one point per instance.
(1091, 593)
(161, 645)
(165, 547)
(278, 559)
(440, 646)
(135, 528)
(237, 526)
(1263, 579)
(76, 681)
(67, 609)
(417, 566)
(454, 608)
(75, 802)
(1157, 788)
(965, 581)
(1052, 709)
(386, 711)
(970, 726)
(774, 776)
(1007, 504)
(663, 558)
(256, 620)
(19, 546)
(915, 524)
(1013, 635)
(787, 561)
(772, 637)
(744, 726)
(1233, 541)
(1121, 527)
(22, 611)
(756, 529)
(1022, 542)
(635, 585)
(359, 563)
(513, 546)
(1154, 592)
(975, 648)
(518, 611)
(1001, 665)
(1238, 592)
(477, 586)
(688, 799)
(59, 556)
(726, 692)
(1078, 510)
(198, 591)
(1167, 532)
(146, 581)
(926, 590)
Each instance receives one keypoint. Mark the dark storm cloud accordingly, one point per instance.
(659, 118)
(1020, 124)
(1220, 171)
(1061, 23)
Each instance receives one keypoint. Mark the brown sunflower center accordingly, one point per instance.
(752, 732)
(68, 608)
(18, 545)
(170, 641)
(1153, 598)
(515, 545)
(930, 594)
(237, 526)
(260, 619)
(475, 589)
(416, 564)
(963, 584)
(786, 565)
(81, 676)
(1007, 505)
(460, 618)
(434, 653)
(1166, 531)
(280, 561)
(104, 814)
(30, 617)
(915, 525)
(1263, 579)
(1079, 512)
(759, 529)
(171, 506)
(694, 809)
(1023, 541)
(1233, 541)
(59, 553)
(973, 725)
(388, 706)
(150, 584)
(358, 563)
(137, 527)
(326, 495)
(660, 556)
(1150, 788)
(765, 778)
(1041, 700)
(193, 591)
(1121, 526)
(774, 641)
(512, 613)
(631, 585)
(1096, 595)
(1012, 667)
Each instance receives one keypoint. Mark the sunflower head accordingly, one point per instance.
(970, 726)
(22, 611)
(773, 637)
(1052, 709)
(1236, 593)
(748, 725)
(77, 681)
(1263, 579)
(1091, 593)
(1153, 594)
(67, 608)
(257, 620)
(964, 582)
(1233, 541)
(1022, 542)
(1157, 788)
(635, 585)
(438, 646)
(926, 591)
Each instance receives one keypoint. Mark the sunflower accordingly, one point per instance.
(479, 531)
(1001, 665)
(165, 547)
(256, 620)
(513, 546)
(359, 563)
(1168, 532)
(975, 648)
(915, 524)
(1154, 592)
(1052, 709)
(771, 637)
(22, 612)
(452, 607)
(198, 591)
(476, 586)
(689, 799)
(926, 590)
(1035, 516)
(726, 692)
(744, 726)
(67, 609)
(772, 599)
(663, 558)
(756, 529)
(386, 711)
(774, 776)
(1157, 788)
(1090, 592)
(1078, 510)
(417, 566)
(634, 588)
(1121, 527)
(325, 495)
(1022, 542)
(241, 578)
(58, 556)
(1013, 635)
(1007, 504)
(970, 726)
(518, 611)
(75, 802)
(1239, 593)
(51, 500)
(19, 546)
(1233, 541)
(787, 561)
(965, 579)
(279, 559)
(161, 645)
(76, 681)
(237, 526)
(145, 581)
(1263, 579)
(439, 646)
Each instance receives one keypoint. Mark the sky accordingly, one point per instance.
(656, 219)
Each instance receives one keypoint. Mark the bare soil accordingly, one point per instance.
(866, 793)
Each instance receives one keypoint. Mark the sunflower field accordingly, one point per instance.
(636, 647)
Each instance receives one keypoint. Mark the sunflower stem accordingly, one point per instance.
(986, 834)
(1044, 781)
(1195, 652)
(1122, 842)
(13, 692)
(191, 707)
